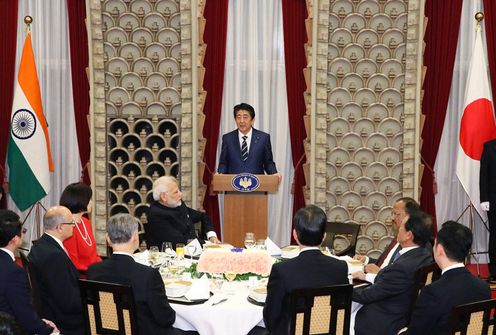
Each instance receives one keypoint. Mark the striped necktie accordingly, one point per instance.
(244, 148)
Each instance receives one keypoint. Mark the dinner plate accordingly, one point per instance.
(258, 293)
(185, 301)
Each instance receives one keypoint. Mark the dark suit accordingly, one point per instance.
(176, 225)
(57, 279)
(487, 186)
(259, 155)
(432, 312)
(387, 301)
(155, 316)
(310, 269)
(15, 298)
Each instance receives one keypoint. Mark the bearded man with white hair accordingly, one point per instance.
(170, 220)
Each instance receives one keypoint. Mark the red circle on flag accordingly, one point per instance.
(477, 127)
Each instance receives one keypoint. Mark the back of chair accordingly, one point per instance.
(108, 308)
(322, 310)
(33, 284)
(349, 231)
(474, 318)
(425, 275)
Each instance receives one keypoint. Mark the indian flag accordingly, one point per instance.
(29, 155)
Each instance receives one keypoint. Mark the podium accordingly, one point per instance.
(244, 211)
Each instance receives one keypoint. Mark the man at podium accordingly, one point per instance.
(246, 149)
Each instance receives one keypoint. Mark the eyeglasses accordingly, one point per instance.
(69, 223)
(24, 230)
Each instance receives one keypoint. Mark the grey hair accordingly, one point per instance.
(121, 228)
(52, 219)
(161, 185)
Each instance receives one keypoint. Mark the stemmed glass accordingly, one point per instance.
(230, 276)
(191, 248)
(249, 240)
(218, 280)
(153, 255)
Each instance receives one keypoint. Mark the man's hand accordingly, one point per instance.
(279, 177)
(214, 239)
(360, 258)
(485, 205)
(51, 324)
(372, 268)
(358, 275)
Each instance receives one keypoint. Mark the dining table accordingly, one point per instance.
(233, 316)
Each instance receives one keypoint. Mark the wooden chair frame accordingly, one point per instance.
(123, 298)
(422, 276)
(302, 301)
(33, 284)
(461, 317)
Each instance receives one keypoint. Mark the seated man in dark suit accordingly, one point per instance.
(401, 208)
(155, 316)
(310, 269)
(386, 303)
(55, 274)
(246, 149)
(456, 286)
(15, 298)
(170, 220)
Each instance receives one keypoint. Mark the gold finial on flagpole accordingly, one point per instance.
(28, 20)
(479, 16)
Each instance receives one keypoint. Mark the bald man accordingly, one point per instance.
(55, 274)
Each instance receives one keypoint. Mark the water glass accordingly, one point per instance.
(249, 240)
(191, 248)
(166, 247)
(218, 281)
(153, 255)
(261, 245)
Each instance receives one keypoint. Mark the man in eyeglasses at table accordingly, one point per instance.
(155, 315)
(15, 298)
(311, 268)
(55, 274)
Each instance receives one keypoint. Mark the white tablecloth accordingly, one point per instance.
(232, 317)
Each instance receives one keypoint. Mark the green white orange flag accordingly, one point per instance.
(29, 155)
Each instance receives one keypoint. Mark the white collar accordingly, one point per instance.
(248, 134)
(403, 250)
(10, 253)
(309, 248)
(59, 242)
(451, 267)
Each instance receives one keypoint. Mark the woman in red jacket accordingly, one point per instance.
(81, 246)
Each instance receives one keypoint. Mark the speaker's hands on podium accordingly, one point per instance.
(485, 205)
(279, 177)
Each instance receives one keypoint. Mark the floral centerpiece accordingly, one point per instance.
(242, 262)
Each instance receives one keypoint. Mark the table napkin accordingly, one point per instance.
(200, 289)
(272, 248)
(198, 248)
(142, 258)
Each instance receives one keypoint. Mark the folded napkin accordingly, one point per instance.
(197, 248)
(272, 248)
(353, 264)
(142, 258)
(200, 289)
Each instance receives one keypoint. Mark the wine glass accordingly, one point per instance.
(191, 247)
(166, 247)
(261, 245)
(249, 240)
(153, 255)
(230, 276)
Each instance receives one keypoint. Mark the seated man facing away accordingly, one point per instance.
(155, 316)
(55, 274)
(386, 303)
(15, 298)
(456, 286)
(309, 269)
(170, 220)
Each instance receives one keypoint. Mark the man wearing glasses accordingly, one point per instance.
(15, 298)
(55, 274)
